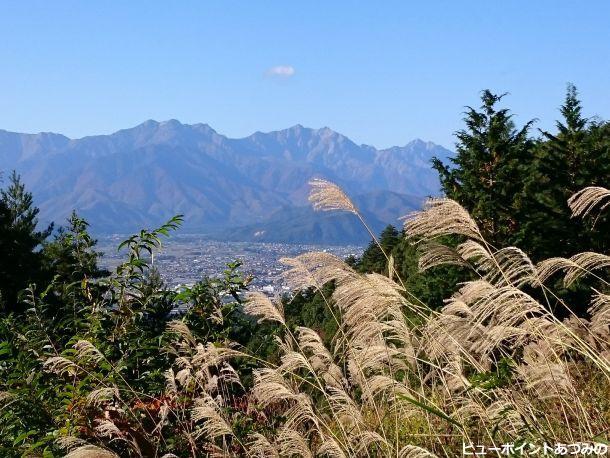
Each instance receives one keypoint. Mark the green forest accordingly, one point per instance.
(483, 321)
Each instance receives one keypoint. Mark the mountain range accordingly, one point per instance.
(252, 188)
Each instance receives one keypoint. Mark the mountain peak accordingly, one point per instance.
(171, 123)
(203, 126)
(165, 130)
(418, 143)
(327, 132)
(157, 169)
(298, 130)
(149, 123)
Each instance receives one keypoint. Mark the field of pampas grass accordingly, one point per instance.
(493, 371)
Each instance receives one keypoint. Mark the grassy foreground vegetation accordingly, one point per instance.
(442, 334)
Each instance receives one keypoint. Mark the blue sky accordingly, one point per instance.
(382, 73)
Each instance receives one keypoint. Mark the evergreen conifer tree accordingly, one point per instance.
(20, 243)
(485, 177)
(565, 163)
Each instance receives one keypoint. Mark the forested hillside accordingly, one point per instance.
(484, 320)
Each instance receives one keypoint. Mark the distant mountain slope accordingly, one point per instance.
(304, 225)
(141, 176)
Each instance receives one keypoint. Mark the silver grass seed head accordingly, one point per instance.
(87, 351)
(586, 200)
(258, 304)
(330, 448)
(413, 451)
(508, 266)
(587, 262)
(60, 365)
(433, 254)
(207, 410)
(314, 269)
(259, 446)
(102, 396)
(366, 440)
(180, 327)
(327, 196)
(107, 428)
(441, 217)
(271, 387)
(292, 443)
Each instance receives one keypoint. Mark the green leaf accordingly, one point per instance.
(22, 437)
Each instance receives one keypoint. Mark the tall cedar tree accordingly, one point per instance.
(578, 155)
(488, 168)
(20, 243)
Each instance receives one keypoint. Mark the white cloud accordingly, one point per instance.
(281, 71)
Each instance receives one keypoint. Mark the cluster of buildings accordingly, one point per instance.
(187, 258)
